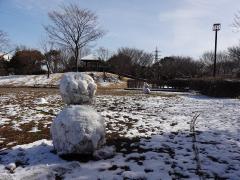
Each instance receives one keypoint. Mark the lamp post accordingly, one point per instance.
(216, 28)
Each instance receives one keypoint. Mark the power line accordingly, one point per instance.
(156, 55)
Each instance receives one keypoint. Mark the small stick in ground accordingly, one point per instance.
(193, 123)
(195, 148)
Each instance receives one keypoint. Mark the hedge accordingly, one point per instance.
(209, 87)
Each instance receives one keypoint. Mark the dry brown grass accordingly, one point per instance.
(14, 137)
(4, 90)
(23, 97)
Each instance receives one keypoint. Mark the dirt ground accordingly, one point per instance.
(17, 106)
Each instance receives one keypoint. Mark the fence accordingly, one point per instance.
(133, 84)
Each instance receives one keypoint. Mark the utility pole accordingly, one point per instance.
(216, 28)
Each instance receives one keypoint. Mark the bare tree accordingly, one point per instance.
(137, 56)
(234, 56)
(207, 58)
(47, 46)
(103, 53)
(73, 28)
(236, 21)
(85, 51)
(234, 53)
(66, 59)
(224, 62)
(4, 43)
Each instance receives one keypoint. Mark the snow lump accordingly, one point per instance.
(78, 129)
(77, 88)
(40, 101)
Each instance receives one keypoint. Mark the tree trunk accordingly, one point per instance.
(48, 68)
(48, 74)
(76, 57)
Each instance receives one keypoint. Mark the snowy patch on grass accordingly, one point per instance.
(34, 129)
(41, 101)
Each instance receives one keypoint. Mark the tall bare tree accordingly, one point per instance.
(4, 43)
(51, 56)
(67, 59)
(234, 55)
(103, 53)
(224, 62)
(236, 21)
(73, 28)
(46, 47)
(207, 58)
(137, 56)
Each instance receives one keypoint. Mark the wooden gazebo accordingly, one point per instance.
(91, 61)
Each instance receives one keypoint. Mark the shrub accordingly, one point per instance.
(178, 83)
(217, 88)
(4, 67)
(209, 87)
(27, 62)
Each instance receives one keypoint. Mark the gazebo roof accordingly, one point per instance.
(90, 57)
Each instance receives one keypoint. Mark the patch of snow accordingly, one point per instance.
(53, 80)
(11, 143)
(134, 175)
(30, 80)
(34, 129)
(106, 81)
(41, 101)
(105, 152)
(11, 167)
(5, 121)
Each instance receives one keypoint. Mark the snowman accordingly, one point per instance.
(78, 128)
(146, 88)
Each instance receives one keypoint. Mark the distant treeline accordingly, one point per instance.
(129, 61)
(142, 65)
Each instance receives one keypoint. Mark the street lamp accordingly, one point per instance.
(216, 28)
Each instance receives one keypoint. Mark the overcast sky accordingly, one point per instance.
(177, 27)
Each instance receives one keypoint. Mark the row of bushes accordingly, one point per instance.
(209, 87)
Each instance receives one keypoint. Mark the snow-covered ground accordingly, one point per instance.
(150, 133)
(43, 81)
